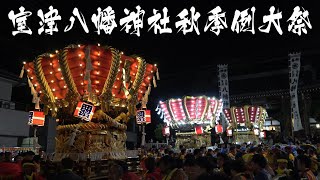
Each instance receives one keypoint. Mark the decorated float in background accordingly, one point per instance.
(246, 124)
(92, 91)
(192, 118)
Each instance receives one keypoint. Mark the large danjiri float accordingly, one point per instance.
(92, 91)
(198, 119)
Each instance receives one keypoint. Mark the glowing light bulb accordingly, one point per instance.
(64, 86)
(82, 83)
(61, 78)
(98, 72)
(136, 66)
(98, 63)
(59, 69)
(53, 89)
(50, 64)
(155, 65)
(56, 97)
(131, 81)
(117, 78)
(121, 52)
(151, 71)
(134, 73)
(28, 70)
(115, 86)
(51, 55)
(98, 44)
(24, 62)
(57, 51)
(113, 95)
(140, 91)
(118, 70)
(31, 77)
(35, 85)
(123, 105)
(97, 82)
(98, 53)
(78, 45)
(40, 91)
(52, 81)
(79, 55)
(148, 78)
(81, 74)
(120, 61)
(80, 65)
(51, 72)
(97, 90)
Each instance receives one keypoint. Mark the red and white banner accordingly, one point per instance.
(36, 118)
(143, 116)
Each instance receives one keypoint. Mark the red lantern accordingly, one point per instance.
(143, 116)
(36, 118)
(84, 111)
(199, 129)
(166, 131)
(219, 129)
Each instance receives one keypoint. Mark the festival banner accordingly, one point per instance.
(224, 85)
(294, 70)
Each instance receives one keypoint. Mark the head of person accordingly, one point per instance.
(167, 163)
(236, 167)
(258, 162)
(67, 163)
(115, 172)
(28, 167)
(18, 158)
(28, 156)
(197, 153)
(7, 156)
(303, 162)
(233, 150)
(150, 164)
(209, 152)
(221, 159)
(282, 163)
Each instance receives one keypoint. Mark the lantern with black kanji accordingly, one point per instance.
(84, 111)
(36, 118)
(199, 130)
(143, 117)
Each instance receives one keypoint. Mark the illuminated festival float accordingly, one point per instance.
(245, 124)
(92, 91)
(192, 118)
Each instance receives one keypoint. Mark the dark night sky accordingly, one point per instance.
(187, 63)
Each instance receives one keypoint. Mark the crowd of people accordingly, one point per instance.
(227, 161)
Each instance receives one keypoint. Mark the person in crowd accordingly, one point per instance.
(29, 171)
(232, 152)
(314, 161)
(282, 168)
(169, 170)
(191, 168)
(127, 175)
(115, 172)
(182, 154)
(8, 168)
(197, 153)
(303, 163)
(236, 170)
(67, 170)
(259, 164)
(221, 159)
(152, 172)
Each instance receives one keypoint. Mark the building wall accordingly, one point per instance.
(5, 90)
(13, 125)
